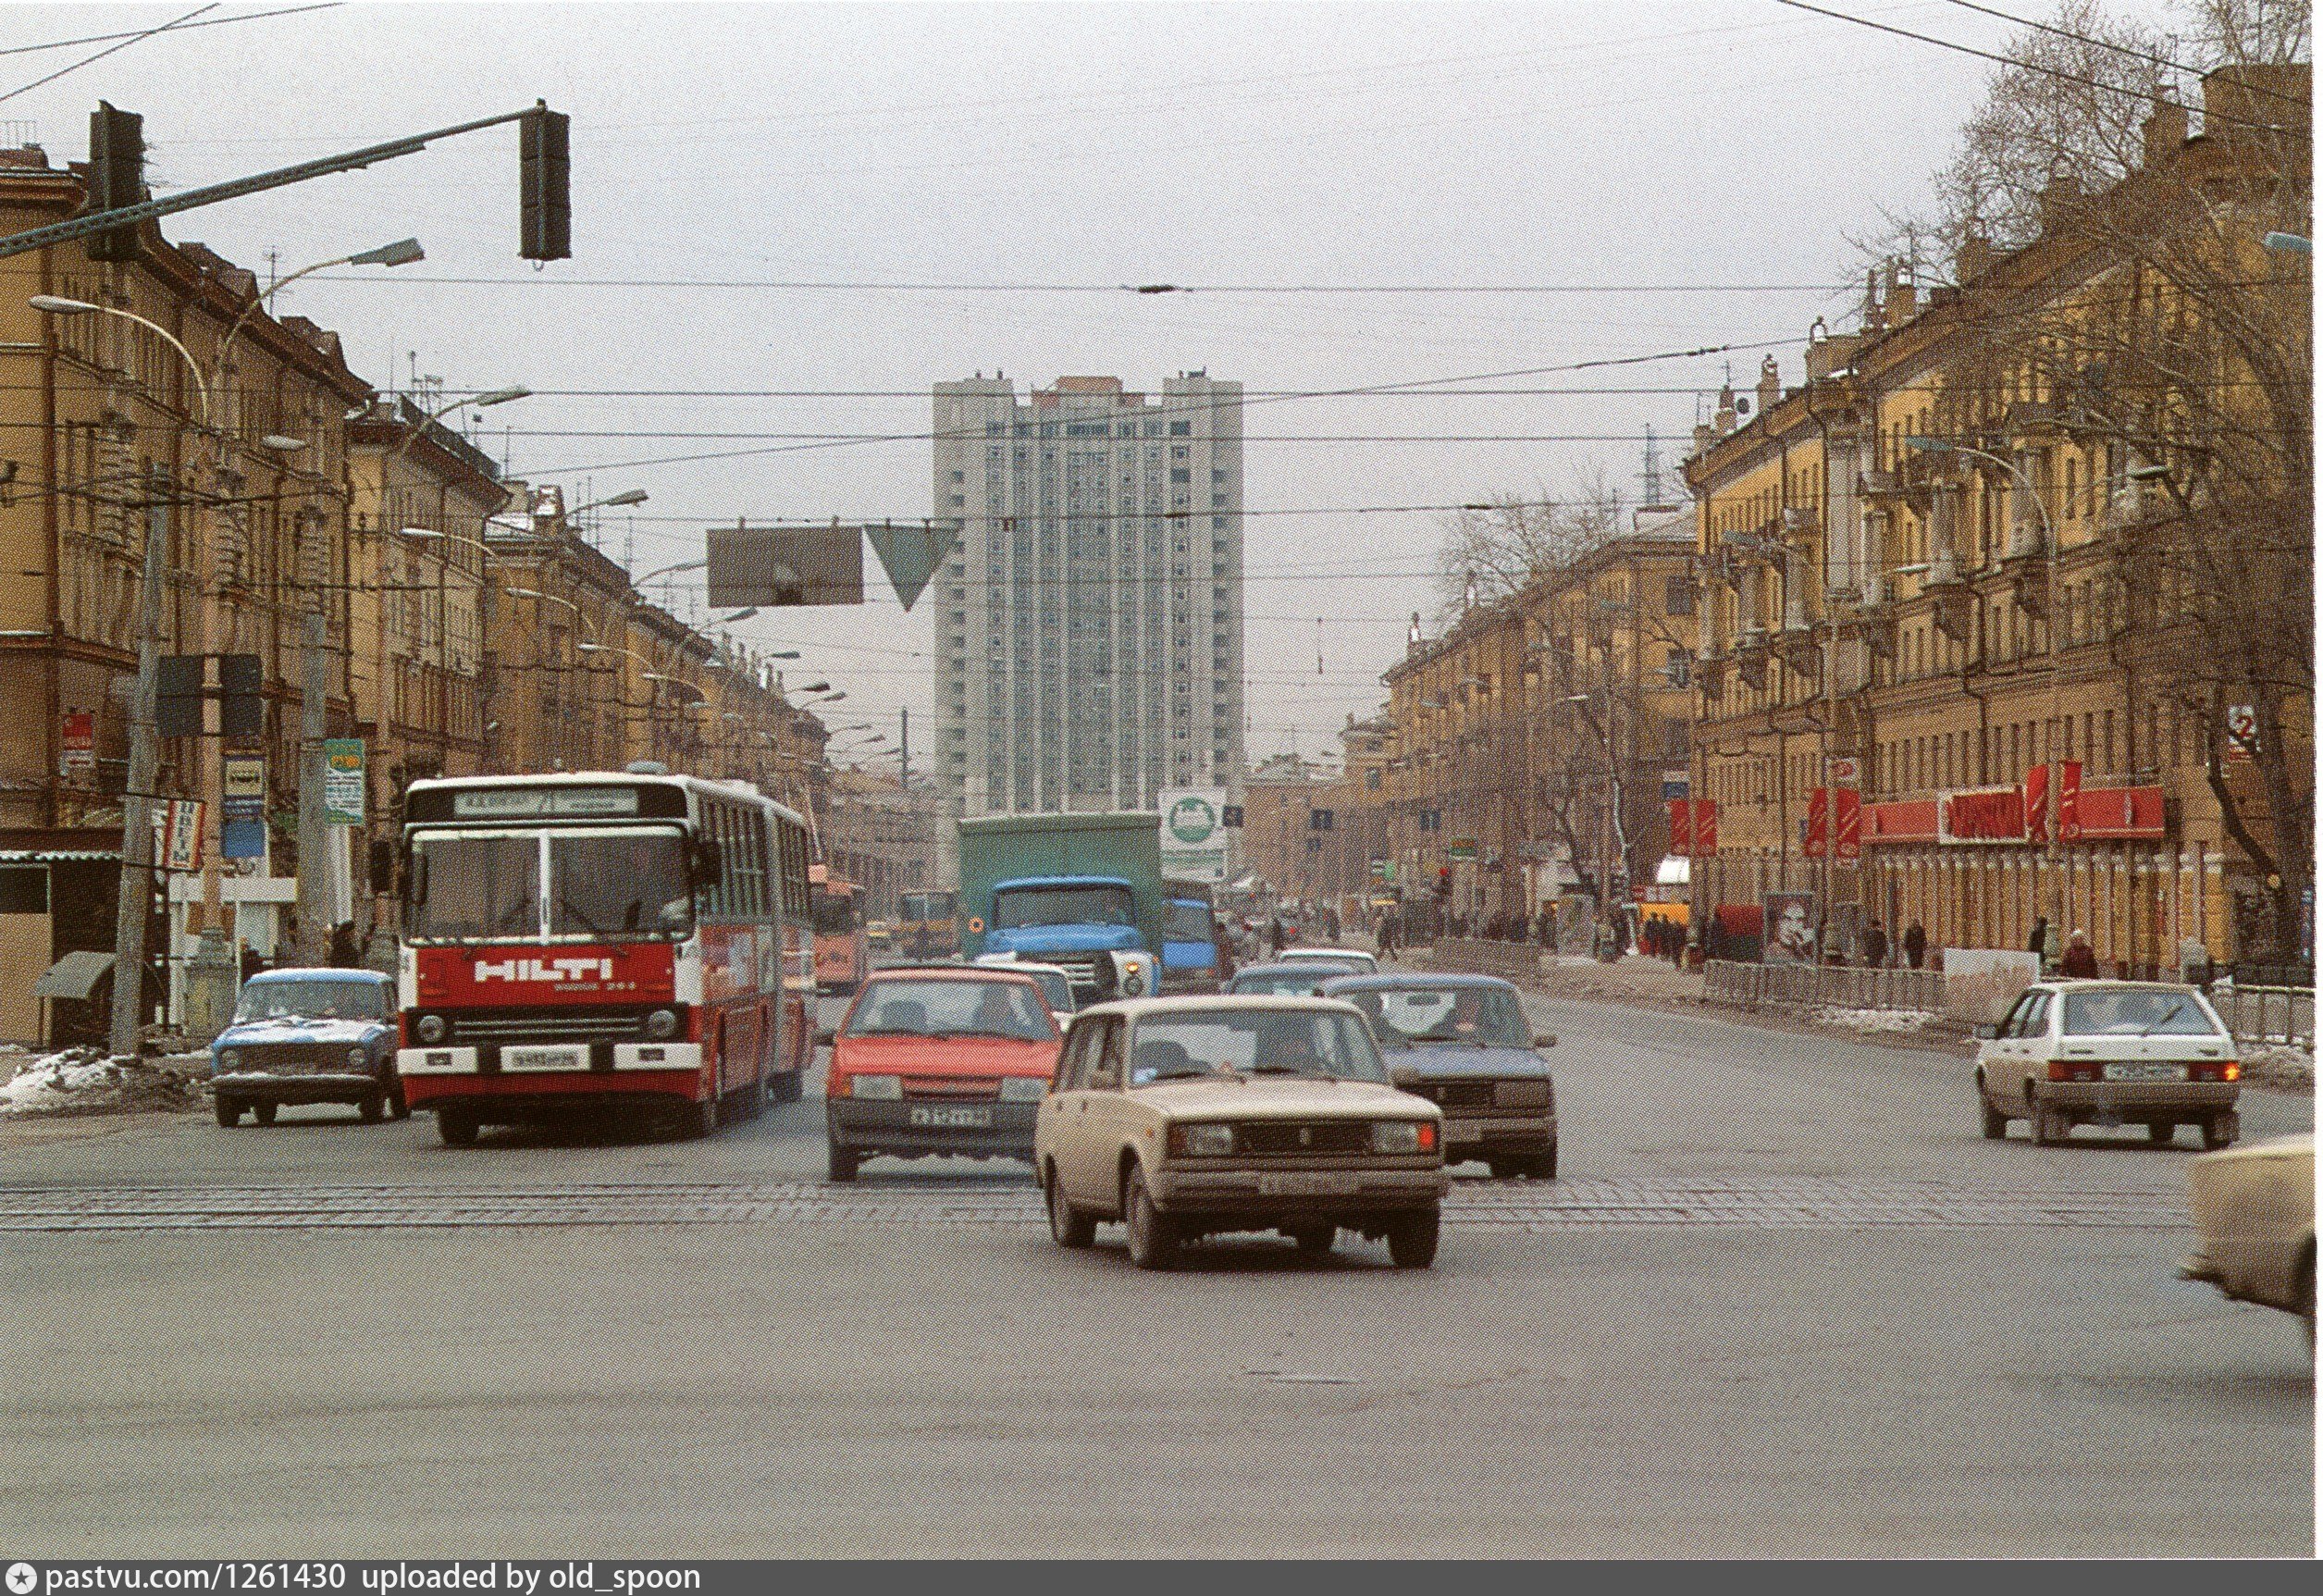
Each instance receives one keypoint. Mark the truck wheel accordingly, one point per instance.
(229, 1112)
(701, 1119)
(1411, 1239)
(786, 1086)
(456, 1126)
(263, 1112)
(1153, 1234)
(841, 1164)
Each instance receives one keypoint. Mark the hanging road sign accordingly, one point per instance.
(909, 555)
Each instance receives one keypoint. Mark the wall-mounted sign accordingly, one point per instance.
(344, 785)
(242, 777)
(78, 756)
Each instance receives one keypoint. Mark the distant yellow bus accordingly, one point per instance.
(929, 927)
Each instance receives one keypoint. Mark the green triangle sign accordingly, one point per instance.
(909, 555)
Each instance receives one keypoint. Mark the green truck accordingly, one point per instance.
(1062, 889)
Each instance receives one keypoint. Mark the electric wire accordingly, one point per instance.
(2178, 66)
(109, 50)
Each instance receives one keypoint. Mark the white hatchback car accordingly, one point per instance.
(1362, 963)
(2109, 1053)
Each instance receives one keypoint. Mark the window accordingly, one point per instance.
(1104, 1068)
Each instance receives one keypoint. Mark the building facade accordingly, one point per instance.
(1089, 628)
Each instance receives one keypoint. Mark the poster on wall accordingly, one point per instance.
(1790, 928)
(1194, 833)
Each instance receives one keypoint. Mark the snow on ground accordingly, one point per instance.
(1873, 1019)
(2272, 1064)
(84, 1081)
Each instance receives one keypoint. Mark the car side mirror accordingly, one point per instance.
(1406, 1079)
(1987, 1032)
(1544, 1039)
(824, 1036)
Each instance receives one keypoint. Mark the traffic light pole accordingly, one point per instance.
(135, 899)
(192, 199)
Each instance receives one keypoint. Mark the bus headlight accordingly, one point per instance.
(1024, 1089)
(875, 1086)
(431, 1028)
(661, 1024)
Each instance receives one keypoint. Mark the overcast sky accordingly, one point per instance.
(789, 221)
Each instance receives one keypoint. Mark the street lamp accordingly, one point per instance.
(677, 682)
(404, 252)
(2057, 649)
(633, 496)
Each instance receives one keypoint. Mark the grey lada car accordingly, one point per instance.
(1461, 1043)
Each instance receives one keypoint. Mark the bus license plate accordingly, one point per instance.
(935, 1118)
(1306, 1185)
(2146, 1072)
(542, 1058)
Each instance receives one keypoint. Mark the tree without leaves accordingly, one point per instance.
(1508, 541)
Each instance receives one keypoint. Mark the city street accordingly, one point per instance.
(1785, 1301)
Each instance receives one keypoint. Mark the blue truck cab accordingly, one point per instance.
(1189, 946)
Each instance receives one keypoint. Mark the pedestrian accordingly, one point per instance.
(1275, 936)
(1915, 944)
(1330, 924)
(344, 954)
(2081, 960)
(253, 962)
(1384, 933)
(1875, 947)
(1677, 946)
(2038, 943)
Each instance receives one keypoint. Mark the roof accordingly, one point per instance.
(75, 975)
(1391, 981)
(945, 971)
(1139, 1007)
(318, 972)
(1015, 882)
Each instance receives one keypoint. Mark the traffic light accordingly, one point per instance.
(1443, 880)
(116, 177)
(546, 170)
(241, 683)
(179, 712)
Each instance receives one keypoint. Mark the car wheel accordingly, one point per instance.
(1996, 1122)
(229, 1112)
(1503, 1169)
(456, 1126)
(2049, 1125)
(2160, 1131)
(372, 1106)
(263, 1112)
(2304, 1295)
(1544, 1164)
(1411, 1239)
(1312, 1239)
(786, 1087)
(842, 1163)
(2219, 1130)
(1153, 1234)
(1067, 1225)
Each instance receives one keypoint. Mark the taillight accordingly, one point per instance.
(2061, 1072)
(2231, 1072)
(1427, 1136)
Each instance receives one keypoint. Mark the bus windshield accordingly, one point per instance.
(470, 886)
(835, 910)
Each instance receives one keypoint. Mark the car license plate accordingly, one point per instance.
(2146, 1072)
(1306, 1185)
(936, 1118)
(540, 1058)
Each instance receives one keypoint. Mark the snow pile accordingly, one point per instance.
(84, 1081)
(2271, 1064)
(1869, 1021)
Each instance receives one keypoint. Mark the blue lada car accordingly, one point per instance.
(1462, 1041)
(309, 1036)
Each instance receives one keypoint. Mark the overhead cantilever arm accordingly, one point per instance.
(101, 221)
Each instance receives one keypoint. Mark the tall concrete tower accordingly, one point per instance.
(1089, 634)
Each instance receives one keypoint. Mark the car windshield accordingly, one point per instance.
(940, 1008)
(1285, 983)
(1189, 1042)
(470, 886)
(317, 998)
(1406, 1017)
(1056, 989)
(1025, 906)
(1187, 923)
(2134, 1013)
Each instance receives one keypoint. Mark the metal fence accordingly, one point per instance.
(2284, 1014)
(1509, 960)
(1821, 986)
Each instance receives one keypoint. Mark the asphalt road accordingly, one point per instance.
(1785, 1301)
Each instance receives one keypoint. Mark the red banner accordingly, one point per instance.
(1993, 815)
(2069, 800)
(2036, 804)
(560, 974)
(1818, 823)
(1847, 824)
(1907, 820)
(1681, 826)
(2111, 812)
(1705, 827)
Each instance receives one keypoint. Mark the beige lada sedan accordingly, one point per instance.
(1187, 1117)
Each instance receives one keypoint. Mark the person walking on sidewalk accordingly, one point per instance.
(1383, 932)
(1875, 946)
(2081, 960)
(1915, 944)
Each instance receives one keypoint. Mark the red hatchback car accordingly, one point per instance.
(948, 1062)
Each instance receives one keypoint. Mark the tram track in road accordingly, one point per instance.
(1727, 1203)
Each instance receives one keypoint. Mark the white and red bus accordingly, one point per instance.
(842, 954)
(575, 943)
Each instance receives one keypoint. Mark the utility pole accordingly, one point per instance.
(314, 933)
(904, 747)
(135, 898)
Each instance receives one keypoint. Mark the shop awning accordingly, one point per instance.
(75, 975)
